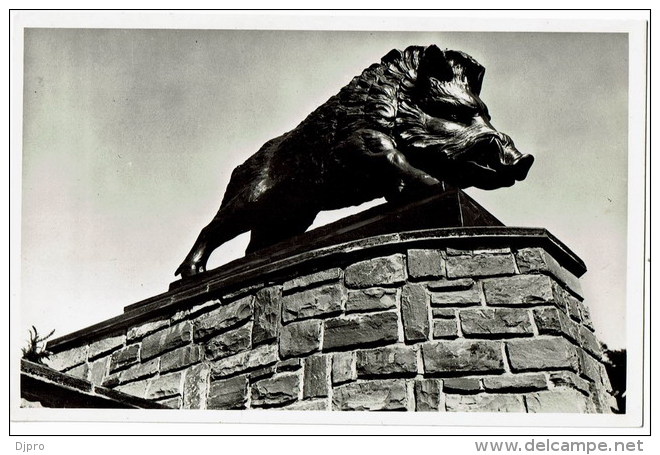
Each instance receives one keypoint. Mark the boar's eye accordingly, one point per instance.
(462, 115)
(455, 116)
(452, 112)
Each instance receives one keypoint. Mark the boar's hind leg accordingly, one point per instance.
(381, 150)
(273, 229)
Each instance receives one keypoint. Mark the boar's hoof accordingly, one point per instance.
(189, 269)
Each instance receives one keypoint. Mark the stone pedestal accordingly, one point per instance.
(487, 318)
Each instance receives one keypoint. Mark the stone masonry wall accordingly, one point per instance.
(413, 330)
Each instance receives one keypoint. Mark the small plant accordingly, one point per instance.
(615, 364)
(36, 349)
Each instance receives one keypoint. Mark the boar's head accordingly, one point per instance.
(444, 128)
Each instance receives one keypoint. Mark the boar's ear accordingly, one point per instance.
(433, 63)
(473, 71)
(392, 56)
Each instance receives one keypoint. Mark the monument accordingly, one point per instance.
(425, 303)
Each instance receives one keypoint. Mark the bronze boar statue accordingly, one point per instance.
(404, 127)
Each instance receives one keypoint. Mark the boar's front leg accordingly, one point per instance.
(380, 149)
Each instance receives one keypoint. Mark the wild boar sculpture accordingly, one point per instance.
(404, 127)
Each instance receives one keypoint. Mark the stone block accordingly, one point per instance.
(461, 385)
(371, 299)
(537, 260)
(308, 405)
(519, 290)
(610, 404)
(79, 372)
(300, 338)
(379, 395)
(415, 313)
(376, 272)
(228, 394)
(98, 369)
(313, 279)
(557, 401)
(140, 331)
(266, 315)
(458, 251)
(223, 318)
(542, 354)
(427, 395)
(110, 381)
(425, 264)
(573, 307)
(605, 378)
(137, 389)
(480, 265)
(589, 342)
(195, 383)
(481, 322)
(567, 302)
(590, 368)
(445, 328)
(124, 357)
(64, 360)
(172, 403)
(276, 391)
(470, 296)
(586, 316)
(596, 402)
(166, 340)
(472, 251)
(462, 356)
(180, 358)
(262, 355)
(360, 330)
(316, 377)
(443, 313)
(568, 379)
(164, 386)
(139, 371)
(460, 284)
(515, 382)
(396, 360)
(229, 343)
(309, 303)
(552, 321)
(560, 298)
(105, 346)
(263, 372)
(343, 367)
(484, 403)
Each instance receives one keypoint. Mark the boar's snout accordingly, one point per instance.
(513, 163)
(521, 166)
(492, 162)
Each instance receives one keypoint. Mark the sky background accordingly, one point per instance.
(130, 137)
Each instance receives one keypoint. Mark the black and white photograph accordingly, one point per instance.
(312, 217)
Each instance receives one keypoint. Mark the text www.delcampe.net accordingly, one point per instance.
(547, 445)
